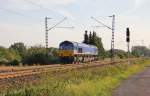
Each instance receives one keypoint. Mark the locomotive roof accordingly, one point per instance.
(79, 44)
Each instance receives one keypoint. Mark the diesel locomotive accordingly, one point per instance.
(73, 52)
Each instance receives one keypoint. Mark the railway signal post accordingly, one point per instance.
(128, 41)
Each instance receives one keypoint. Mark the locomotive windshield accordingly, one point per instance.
(66, 47)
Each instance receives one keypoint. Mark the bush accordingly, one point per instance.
(3, 61)
(19, 47)
(7, 56)
(15, 63)
(37, 55)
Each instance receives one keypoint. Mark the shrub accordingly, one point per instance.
(14, 62)
(7, 56)
(37, 55)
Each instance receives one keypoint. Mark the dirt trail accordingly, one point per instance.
(137, 85)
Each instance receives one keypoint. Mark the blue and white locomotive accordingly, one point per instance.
(70, 52)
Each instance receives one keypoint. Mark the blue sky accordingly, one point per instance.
(23, 21)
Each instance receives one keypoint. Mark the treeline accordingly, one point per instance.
(118, 54)
(93, 39)
(18, 53)
(139, 51)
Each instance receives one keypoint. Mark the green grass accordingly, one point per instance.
(87, 82)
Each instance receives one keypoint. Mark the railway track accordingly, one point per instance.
(36, 70)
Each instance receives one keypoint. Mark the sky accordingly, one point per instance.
(23, 21)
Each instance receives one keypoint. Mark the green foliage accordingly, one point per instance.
(121, 53)
(118, 54)
(135, 53)
(90, 39)
(15, 62)
(86, 38)
(87, 82)
(53, 51)
(108, 54)
(94, 38)
(101, 50)
(9, 56)
(20, 47)
(138, 51)
(3, 56)
(18, 53)
(97, 41)
(37, 55)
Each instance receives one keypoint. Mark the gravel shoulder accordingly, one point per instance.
(137, 85)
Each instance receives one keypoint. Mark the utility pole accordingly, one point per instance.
(113, 34)
(48, 29)
(113, 38)
(46, 34)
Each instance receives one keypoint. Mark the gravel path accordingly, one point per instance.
(137, 85)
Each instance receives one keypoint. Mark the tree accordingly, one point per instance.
(140, 51)
(36, 55)
(3, 56)
(8, 56)
(53, 51)
(96, 41)
(90, 39)
(20, 47)
(86, 38)
(120, 53)
(94, 38)
(101, 50)
(135, 53)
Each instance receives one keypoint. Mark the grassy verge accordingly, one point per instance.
(87, 82)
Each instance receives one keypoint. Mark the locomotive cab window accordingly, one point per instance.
(66, 47)
(80, 50)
